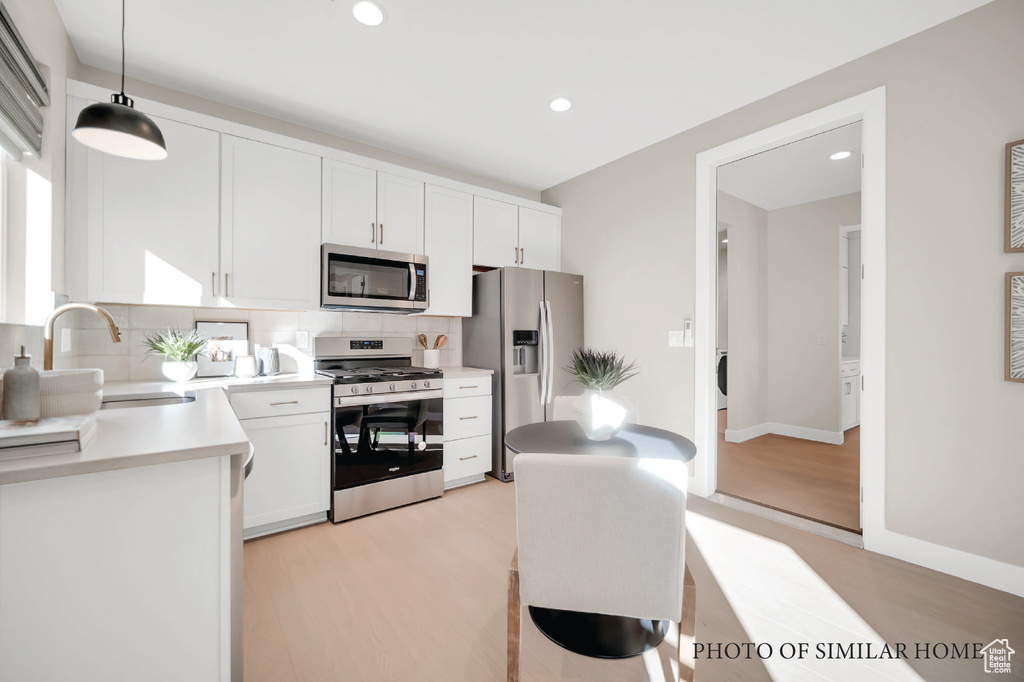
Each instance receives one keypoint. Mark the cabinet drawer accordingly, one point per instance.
(467, 457)
(466, 387)
(850, 371)
(467, 417)
(256, 404)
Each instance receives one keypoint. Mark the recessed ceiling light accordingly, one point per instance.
(839, 156)
(560, 104)
(369, 13)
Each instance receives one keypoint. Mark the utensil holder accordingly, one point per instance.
(431, 358)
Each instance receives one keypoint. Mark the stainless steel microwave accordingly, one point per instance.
(371, 280)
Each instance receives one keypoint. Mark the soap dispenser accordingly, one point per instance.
(21, 390)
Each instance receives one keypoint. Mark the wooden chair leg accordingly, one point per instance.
(514, 628)
(687, 626)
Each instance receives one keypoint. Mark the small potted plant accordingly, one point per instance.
(180, 348)
(598, 411)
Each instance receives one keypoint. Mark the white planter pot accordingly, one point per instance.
(599, 413)
(179, 371)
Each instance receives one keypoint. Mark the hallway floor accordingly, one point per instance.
(815, 480)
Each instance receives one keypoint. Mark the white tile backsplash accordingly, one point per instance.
(91, 343)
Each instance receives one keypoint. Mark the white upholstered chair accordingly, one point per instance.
(600, 534)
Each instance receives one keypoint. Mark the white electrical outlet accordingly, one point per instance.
(821, 339)
(676, 338)
(302, 339)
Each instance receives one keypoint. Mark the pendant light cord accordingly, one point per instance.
(122, 46)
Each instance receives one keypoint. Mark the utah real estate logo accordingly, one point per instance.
(997, 656)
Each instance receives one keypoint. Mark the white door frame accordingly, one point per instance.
(869, 108)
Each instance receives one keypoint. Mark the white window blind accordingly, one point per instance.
(22, 93)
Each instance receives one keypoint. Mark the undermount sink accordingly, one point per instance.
(119, 402)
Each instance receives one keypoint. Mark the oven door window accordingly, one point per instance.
(382, 441)
(357, 277)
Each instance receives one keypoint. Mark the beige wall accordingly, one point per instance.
(748, 311)
(145, 90)
(802, 261)
(41, 27)
(723, 294)
(953, 468)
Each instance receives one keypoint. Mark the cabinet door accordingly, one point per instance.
(495, 233)
(849, 385)
(539, 240)
(291, 474)
(448, 243)
(349, 204)
(153, 226)
(399, 214)
(270, 226)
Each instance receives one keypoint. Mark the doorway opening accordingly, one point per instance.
(788, 332)
(868, 111)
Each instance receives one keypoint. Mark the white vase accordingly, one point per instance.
(600, 413)
(179, 371)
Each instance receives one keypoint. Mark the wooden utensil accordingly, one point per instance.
(440, 341)
(423, 341)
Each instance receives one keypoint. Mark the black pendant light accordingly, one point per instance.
(117, 128)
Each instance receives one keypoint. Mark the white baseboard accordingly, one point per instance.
(740, 435)
(281, 526)
(977, 569)
(802, 432)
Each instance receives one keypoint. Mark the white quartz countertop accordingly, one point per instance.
(231, 384)
(455, 372)
(141, 436)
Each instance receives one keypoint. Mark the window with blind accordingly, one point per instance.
(22, 93)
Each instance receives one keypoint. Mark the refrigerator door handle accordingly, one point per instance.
(551, 356)
(543, 373)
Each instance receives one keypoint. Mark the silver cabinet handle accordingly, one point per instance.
(286, 402)
(463, 459)
(462, 419)
(522, 256)
(225, 285)
(213, 284)
(517, 255)
(381, 233)
(327, 432)
(462, 387)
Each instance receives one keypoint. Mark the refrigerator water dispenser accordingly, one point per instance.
(524, 351)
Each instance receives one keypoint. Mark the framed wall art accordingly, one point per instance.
(1014, 197)
(1015, 326)
(227, 340)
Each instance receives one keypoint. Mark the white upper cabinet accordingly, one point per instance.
(151, 226)
(495, 233)
(270, 226)
(449, 246)
(539, 239)
(399, 214)
(370, 209)
(349, 204)
(506, 235)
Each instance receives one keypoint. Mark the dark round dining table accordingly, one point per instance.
(597, 634)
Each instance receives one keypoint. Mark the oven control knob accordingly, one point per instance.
(355, 389)
(369, 389)
(426, 384)
(392, 387)
(413, 387)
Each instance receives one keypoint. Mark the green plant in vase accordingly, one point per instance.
(598, 411)
(179, 347)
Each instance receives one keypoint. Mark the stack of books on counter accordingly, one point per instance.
(48, 436)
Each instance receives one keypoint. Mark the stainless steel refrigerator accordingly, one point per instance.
(525, 326)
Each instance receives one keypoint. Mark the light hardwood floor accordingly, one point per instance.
(419, 593)
(816, 480)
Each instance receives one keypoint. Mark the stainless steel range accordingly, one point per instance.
(387, 425)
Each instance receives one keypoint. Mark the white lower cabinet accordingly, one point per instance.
(850, 385)
(467, 429)
(290, 483)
